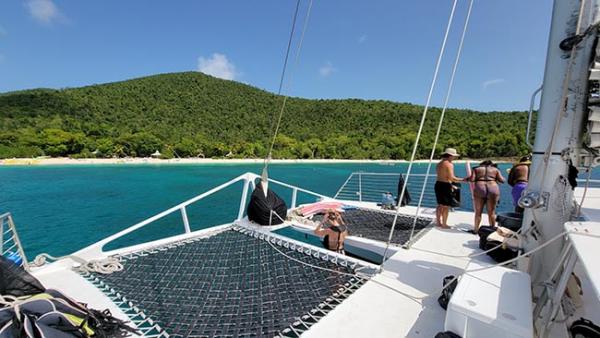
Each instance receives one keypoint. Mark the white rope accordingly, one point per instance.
(417, 298)
(585, 189)
(439, 127)
(423, 117)
(512, 235)
(104, 266)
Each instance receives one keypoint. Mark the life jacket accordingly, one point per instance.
(53, 315)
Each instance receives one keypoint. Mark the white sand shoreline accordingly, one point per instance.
(178, 161)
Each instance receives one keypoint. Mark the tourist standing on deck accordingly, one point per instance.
(486, 191)
(518, 178)
(444, 187)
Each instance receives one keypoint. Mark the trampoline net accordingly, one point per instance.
(232, 284)
(377, 224)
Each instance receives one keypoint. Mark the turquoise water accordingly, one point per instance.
(60, 209)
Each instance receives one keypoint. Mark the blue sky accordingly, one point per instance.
(352, 49)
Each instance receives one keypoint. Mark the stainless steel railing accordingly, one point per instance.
(10, 245)
(370, 187)
(248, 179)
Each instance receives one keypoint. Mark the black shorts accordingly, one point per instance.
(443, 193)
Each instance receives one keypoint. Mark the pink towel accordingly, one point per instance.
(319, 207)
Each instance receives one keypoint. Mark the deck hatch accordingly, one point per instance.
(232, 284)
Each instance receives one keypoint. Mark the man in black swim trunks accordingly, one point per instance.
(443, 186)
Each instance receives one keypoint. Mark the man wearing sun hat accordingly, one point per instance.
(444, 187)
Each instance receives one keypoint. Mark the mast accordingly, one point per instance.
(560, 122)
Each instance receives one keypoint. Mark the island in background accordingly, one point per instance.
(191, 115)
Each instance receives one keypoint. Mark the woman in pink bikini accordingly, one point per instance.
(486, 191)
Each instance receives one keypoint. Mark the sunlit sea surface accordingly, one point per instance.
(60, 209)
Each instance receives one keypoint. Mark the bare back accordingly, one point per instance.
(521, 173)
(445, 171)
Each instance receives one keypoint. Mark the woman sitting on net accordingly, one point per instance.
(334, 231)
(486, 191)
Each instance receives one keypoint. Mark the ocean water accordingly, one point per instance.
(61, 209)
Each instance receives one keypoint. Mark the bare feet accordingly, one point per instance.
(442, 226)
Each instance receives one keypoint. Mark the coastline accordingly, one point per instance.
(181, 161)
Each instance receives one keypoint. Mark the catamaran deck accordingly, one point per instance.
(388, 305)
(383, 307)
(397, 302)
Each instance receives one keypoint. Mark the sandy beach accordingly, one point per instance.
(175, 161)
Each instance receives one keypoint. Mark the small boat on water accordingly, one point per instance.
(244, 279)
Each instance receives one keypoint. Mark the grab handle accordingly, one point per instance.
(531, 104)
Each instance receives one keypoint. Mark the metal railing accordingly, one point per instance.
(249, 180)
(10, 245)
(370, 187)
(591, 184)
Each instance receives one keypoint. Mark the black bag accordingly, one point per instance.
(57, 316)
(447, 334)
(406, 198)
(483, 233)
(455, 195)
(444, 298)
(17, 282)
(584, 328)
(500, 254)
(269, 210)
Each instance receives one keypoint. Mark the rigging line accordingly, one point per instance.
(416, 145)
(439, 127)
(297, 57)
(585, 189)
(285, 60)
(289, 47)
(563, 100)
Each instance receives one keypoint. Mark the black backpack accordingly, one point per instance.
(584, 328)
(484, 232)
(444, 298)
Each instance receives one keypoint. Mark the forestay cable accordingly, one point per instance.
(416, 145)
(439, 127)
(289, 83)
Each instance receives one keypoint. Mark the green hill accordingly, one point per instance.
(186, 114)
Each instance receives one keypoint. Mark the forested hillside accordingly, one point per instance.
(192, 114)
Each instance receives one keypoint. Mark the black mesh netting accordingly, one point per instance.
(377, 224)
(227, 285)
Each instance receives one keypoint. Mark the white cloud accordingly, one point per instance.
(327, 69)
(218, 66)
(362, 38)
(44, 11)
(491, 82)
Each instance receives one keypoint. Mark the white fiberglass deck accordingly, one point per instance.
(383, 307)
(401, 301)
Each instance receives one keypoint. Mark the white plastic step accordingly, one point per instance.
(492, 303)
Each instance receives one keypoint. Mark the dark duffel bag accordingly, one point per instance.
(447, 334)
(483, 233)
(444, 298)
(584, 328)
(500, 254)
